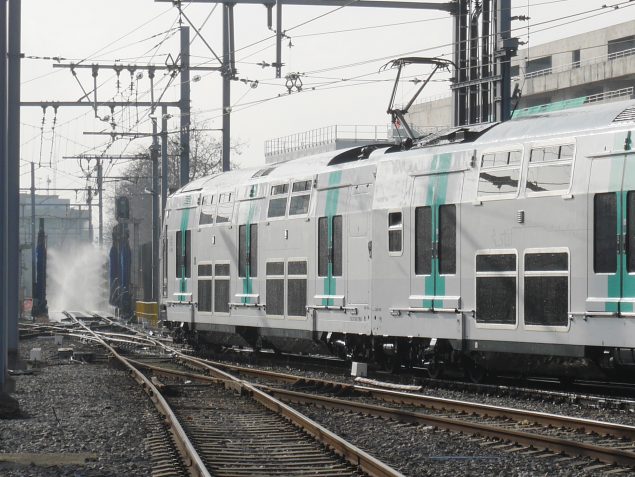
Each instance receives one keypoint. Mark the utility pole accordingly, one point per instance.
(3, 189)
(165, 168)
(89, 201)
(229, 73)
(100, 200)
(33, 239)
(154, 157)
(13, 176)
(185, 106)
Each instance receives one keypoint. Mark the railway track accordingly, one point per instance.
(522, 430)
(229, 427)
(511, 429)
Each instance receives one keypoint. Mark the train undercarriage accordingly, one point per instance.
(440, 357)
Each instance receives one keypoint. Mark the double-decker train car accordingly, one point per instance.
(503, 247)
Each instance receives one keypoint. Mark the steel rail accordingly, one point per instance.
(438, 403)
(554, 444)
(192, 460)
(348, 451)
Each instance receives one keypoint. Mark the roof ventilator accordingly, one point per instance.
(627, 115)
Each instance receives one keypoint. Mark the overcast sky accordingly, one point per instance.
(326, 43)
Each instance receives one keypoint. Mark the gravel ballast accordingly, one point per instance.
(79, 419)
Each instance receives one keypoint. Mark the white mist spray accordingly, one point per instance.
(77, 279)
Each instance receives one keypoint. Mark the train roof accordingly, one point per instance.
(561, 123)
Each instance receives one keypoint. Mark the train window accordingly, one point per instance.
(205, 294)
(547, 289)
(224, 213)
(630, 232)
(550, 169)
(500, 173)
(221, 288)
(299, 204)
(395, 232)
(248, 250)
(604, 233)
(279, 189)
(496, 289)
(275, 288)
(447, 239)
(423, 240)
(330, 246)
(301, 186)
(205, 270)
(296, 288)
(277, 207)
(337, 246)
(206, 217)
(183, 254)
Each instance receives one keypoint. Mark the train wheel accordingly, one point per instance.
(475, 372)
(435, 369)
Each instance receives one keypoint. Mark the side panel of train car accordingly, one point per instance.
(518, 244)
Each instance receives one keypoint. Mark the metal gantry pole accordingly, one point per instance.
(154, 157)
(3, 190)
(33, 236)
(100, 197)
(185, 106)
(227, 76)
(165, 168)
(13, 176)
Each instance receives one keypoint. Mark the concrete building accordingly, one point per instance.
(65, 225)
(597, 66)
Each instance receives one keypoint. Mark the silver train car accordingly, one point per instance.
(503, 248)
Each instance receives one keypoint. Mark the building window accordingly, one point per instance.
(547, 289)
(330, 246)
(604, 233)
(447, 239)
(395, 232)
(423, 240)
(550, 169)
(575, 58)
(621, 47)
(496, 288)
(183, 257)
(538, 66)
(499, 174)
(221, 288)
(248, 250)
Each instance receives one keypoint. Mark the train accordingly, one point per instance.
(495, 248)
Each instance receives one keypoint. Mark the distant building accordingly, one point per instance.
(594, 67)
(65, 226)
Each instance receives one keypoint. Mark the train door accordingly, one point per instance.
(435, 277)
(330, 289)
(611, 282)
(359, 244)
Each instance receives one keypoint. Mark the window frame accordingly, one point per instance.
(331, 251)
(284, 287)
(304, 277)
(427, 243)
(613, 238)
(395, 228)
(207, 278)
(229, 286)
(278, 196)
(515, 274)
(212, 205)
(440, 243)
(292, 194)
(544, 273)
(501, 195)
(560, 143)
